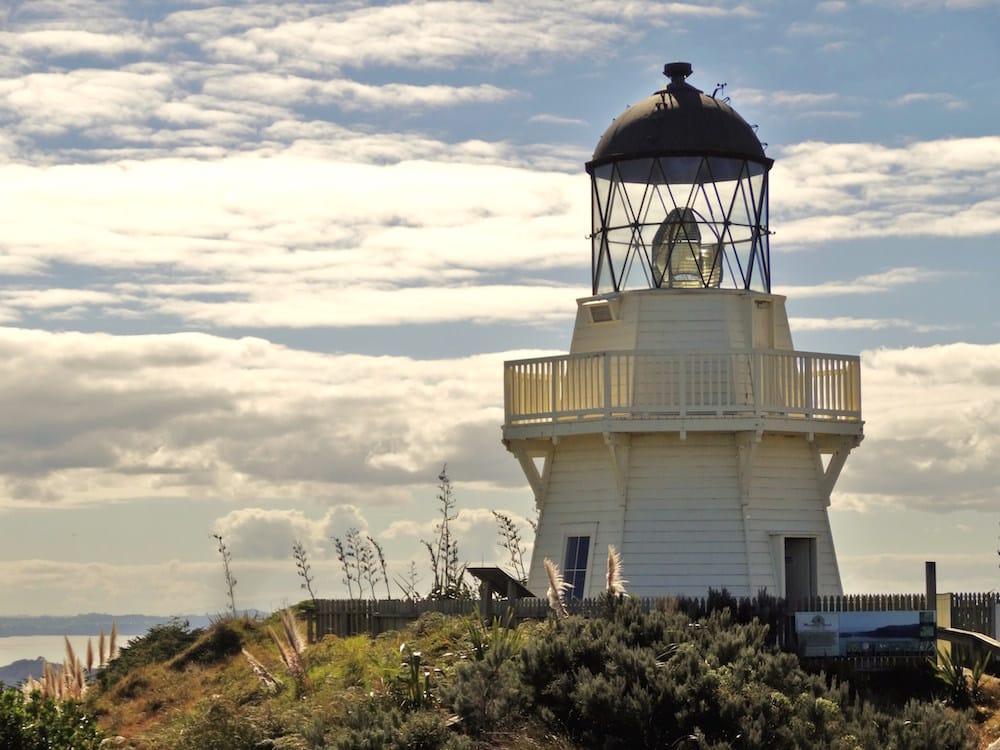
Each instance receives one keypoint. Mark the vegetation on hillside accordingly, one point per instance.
(624, 680)
(688, 675)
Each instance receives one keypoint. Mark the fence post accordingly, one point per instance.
(930, 578)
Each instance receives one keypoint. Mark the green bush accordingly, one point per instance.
(41, 723)
(660, 680)
(372, 725)
(223, 726)
(220, 642)
(161, 643)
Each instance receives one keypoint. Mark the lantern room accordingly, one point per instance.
(679, 195)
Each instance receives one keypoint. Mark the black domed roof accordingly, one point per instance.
(678, 120)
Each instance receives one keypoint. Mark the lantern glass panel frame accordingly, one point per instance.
(640, 204)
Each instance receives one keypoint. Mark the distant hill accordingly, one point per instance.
(90, 624)
(19, 671)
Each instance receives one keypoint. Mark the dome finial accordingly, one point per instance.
(677, 71)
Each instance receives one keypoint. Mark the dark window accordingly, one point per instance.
(575, 565)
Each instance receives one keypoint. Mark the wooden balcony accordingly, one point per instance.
(637, 392)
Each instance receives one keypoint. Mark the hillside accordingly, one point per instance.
(17, 672)
(627, 680)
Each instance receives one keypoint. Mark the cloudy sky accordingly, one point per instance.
(261, 263)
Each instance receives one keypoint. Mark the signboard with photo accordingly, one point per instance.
(903, 633)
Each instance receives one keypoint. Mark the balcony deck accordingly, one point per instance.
(689, 391)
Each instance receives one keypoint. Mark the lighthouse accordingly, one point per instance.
(683, 427)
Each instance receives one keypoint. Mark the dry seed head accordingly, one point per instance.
(292, 632)
(556, 588)
(616, 584)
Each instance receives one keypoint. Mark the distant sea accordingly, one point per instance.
(52, 648)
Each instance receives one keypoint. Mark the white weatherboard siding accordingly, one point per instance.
(702, 464)
(582, 490)
(684, 320)
(684, 526)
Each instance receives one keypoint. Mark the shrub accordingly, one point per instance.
(370, 726)
(422, 730)
(43, 723)
(487, 695)
(223, 726)
(659, 680)
(161, 643)
(219, 643)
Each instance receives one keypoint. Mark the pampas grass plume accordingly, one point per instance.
(556, 588)
(616, 584)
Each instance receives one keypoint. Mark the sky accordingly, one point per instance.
(261, 265)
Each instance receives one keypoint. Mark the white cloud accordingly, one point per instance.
(555, 120)
(881, 573)
(291, 240)
(940, 455)
(944, 188)
(867, 284)
(167, 587)
(93, 418)
(60, 43)
(429, 35)
(941, 99)
(270, 533)
(346, 94)
(803, 100)
(848, 324)
(54, 103)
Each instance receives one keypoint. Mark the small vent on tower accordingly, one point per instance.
(602, 310)
(600, 313)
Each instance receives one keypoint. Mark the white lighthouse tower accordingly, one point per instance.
(683, 427)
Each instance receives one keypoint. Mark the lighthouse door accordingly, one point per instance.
(800, 569)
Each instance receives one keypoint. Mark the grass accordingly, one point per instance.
(184, 689)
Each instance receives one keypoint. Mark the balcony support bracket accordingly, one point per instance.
(526, 452)
(838, 452)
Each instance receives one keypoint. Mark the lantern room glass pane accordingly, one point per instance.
(723, 202)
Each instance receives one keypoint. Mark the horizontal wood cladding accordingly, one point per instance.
(672, 320)
(680, 550)
(691, 520)
(699, 321)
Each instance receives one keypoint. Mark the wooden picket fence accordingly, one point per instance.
(345, 618)
(863, 603)
(975, 612)
(969, 611)
(353, 617)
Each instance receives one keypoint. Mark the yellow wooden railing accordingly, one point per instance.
(619, 385)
